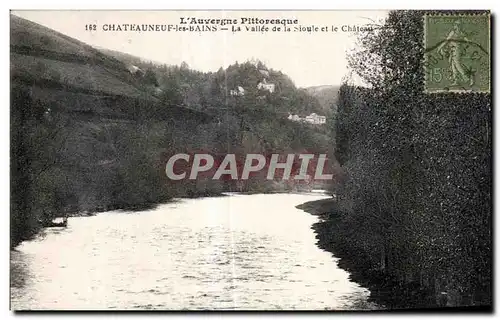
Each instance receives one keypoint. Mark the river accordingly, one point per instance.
(237, 252)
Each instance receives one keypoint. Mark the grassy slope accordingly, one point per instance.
(39, 53)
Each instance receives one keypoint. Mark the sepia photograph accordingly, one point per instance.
(251, 160)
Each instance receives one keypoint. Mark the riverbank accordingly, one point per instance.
(189, 195)
(143, 206)
(336, 236)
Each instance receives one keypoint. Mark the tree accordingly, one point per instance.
(150, 78)
(172, 94)
(418, 168)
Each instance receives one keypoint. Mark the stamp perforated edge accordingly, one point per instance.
(424, 41)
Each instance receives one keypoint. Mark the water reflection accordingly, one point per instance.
(238, 252)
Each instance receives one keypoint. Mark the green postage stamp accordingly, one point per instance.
(457, 53)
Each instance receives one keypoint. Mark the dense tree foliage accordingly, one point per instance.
(416, 187)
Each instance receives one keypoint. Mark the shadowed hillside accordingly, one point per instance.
(59, 68)
(81, 140)
(327, 98)
(90, 132)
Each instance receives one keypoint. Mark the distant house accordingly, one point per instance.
(315, 119)
(237, 92)
(266, 86)
(135, 70)
(265, 73)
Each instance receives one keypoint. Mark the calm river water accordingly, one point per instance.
(235, 252)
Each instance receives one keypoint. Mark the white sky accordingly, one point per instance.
(308, 58)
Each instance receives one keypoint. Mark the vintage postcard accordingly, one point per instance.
(251, 160)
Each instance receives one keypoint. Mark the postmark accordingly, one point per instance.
(457, 53)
